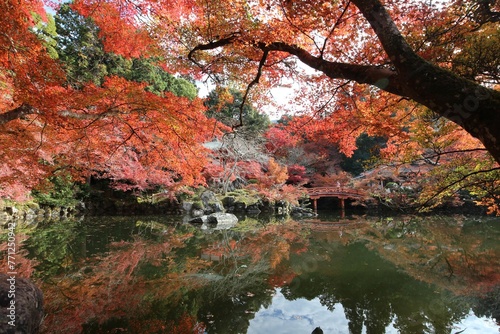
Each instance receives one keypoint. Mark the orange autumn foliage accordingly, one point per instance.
(349, 75)
(118, 130)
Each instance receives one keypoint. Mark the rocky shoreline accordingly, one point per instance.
(206, 203)
(194, 206)
(33, 213)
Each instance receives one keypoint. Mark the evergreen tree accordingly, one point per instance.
(82, 52)
(227, 111)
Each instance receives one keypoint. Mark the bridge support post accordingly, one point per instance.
(315, 204)
(342, 208)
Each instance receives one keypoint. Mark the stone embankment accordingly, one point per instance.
(32, 213)
(209, 210)
(207, 203)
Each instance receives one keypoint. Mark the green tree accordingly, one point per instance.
(62, 191)
(80, 49)
(368, 150)
(82, 52)
(147, 70)
(227, 111)
(47, 33)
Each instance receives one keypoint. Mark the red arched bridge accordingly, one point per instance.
(341, 193)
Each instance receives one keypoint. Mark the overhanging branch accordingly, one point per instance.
(211, 46)
(16, 113)
(384, 78)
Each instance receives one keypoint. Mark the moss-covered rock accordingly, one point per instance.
(211, 203)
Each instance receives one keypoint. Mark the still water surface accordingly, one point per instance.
(352, 275)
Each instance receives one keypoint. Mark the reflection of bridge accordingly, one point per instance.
(341, 193)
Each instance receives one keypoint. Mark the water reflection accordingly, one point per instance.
(374, 293)
(302, 315)
(356, 275)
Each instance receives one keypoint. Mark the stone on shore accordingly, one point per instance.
(217, 220)
(27, 309)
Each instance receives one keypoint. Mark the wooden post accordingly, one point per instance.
(315, 205)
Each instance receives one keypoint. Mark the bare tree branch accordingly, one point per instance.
(251, 84)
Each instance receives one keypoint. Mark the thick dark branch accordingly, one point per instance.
(21, 111)
(483, 13)
(383, 78)
(211, 46)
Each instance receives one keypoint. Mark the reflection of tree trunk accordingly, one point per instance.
(450, 268)
(355, 317)
(82, 249)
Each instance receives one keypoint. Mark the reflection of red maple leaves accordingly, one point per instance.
(113, 287)
(24, 267)
(186, 324)
(281, 278)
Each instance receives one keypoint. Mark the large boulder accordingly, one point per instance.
(221, 218)
(217, 220)
(21, 305)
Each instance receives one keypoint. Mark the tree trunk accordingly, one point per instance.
(468, 104)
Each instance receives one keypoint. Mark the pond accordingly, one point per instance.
(434, 274)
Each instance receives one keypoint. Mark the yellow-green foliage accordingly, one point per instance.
(246, 196)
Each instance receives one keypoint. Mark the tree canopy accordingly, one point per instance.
(362, 50)
(423, 75)
(85, 110)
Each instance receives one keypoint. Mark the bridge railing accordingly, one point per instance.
(334, 191)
